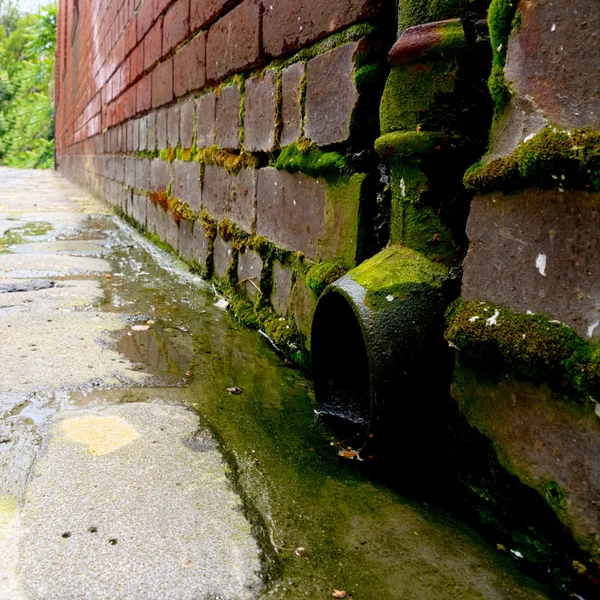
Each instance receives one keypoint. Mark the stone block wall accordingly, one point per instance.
(229, 124)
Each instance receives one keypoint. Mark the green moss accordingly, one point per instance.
(345, 201)
(278, 108)
(181, 210)
(531, 346)
(168, 154)
(501, 20)
(556, 497)
(308, 159)
(353, 34)
(416, 94)
(398, 265)
(551, 159)
(319, 276)
(18, 235)
(209, 224)
(233, 163)
(415, 12)
(281, 331)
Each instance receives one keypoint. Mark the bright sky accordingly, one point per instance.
(31, 5)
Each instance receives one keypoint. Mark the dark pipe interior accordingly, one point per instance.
(340, 362)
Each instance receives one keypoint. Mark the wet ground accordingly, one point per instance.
(127, 470)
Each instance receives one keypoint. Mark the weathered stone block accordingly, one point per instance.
(291, 80)
(205, 120)
(186, 183)
(259, 113)
(330, 95)
(231, 196)
(250, 266)
(291, 210)
(143, 133)
(199, 245)
(186, 123)
(227, 114)
(222, 257)
(542, 439)
(139, 210)
(136, 135)
(151, 215)
(130, 172)
(537, 250)
(186, 239)
(151, 131)
(302, 305)
(173, 126)
(172, 231)
(161, 129)
(560, 71)
(282, 288)
(233, 42)
(142, 174)
(162, 222)
(159, 174)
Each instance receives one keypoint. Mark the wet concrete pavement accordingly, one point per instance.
(127, 471)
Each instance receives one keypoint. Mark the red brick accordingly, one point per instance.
(136, 62)
(153, 45)
(233, 42)
(129, 103)
(176, 25)
(144, 93)
(131, 36)
(290, 24)
(204, 12)
(162, 83)
(161, 5)
(145, 18)
(190, 66)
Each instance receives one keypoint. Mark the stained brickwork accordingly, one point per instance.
(178, 105)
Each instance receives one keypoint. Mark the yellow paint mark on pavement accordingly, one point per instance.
(8, 509)
(101, 434)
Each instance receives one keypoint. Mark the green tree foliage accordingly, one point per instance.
(27, 46)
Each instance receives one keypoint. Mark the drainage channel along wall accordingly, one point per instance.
(409, 189)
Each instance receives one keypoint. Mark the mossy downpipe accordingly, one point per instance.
(377, 337)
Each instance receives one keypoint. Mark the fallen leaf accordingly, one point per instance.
(140, 327)
(349, 454)
(234, 390)
(339, 593)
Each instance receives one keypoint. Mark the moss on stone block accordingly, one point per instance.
(532, 346)
(304, 157)
(344, 228)
(319, 276)
(551, 159)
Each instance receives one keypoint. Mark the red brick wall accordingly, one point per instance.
(143, 82)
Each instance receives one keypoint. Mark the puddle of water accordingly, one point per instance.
(34, 414)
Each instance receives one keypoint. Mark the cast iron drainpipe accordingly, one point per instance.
(378, 353)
